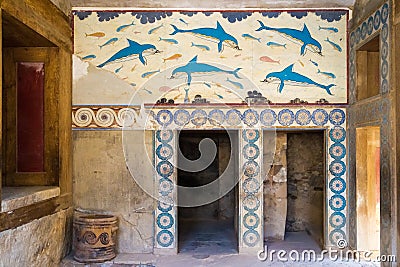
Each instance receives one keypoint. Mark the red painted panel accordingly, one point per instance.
(30, 117)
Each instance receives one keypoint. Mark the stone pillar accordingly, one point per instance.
(275, 186)
(165, 236)
(250, 192)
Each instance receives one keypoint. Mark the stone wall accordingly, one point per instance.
(293, 186)
(42, 242)
(103, 183)
(275, 185)
(305, 172)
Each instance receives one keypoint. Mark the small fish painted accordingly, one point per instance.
(149, 73)
(109, 42)
(219, 96)
(207, 84)
(273, 44)
(147, 91)
(218, 84)
(236, 84)
(332, 29)
(203, 47)
(335, 45)
(155, 29)
(95, 34)
(89, 57)
(119, 69)
(314, 63)
(184, 22)
(177, 96)
(269, 60)
(170, 41)
(175, 56)
(124, 27)
(250, 37)
(328, 74)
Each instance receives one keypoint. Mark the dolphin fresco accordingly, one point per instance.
(134, 48)
(217, 34)
(194, 67)
(288, 75)
(303, 36)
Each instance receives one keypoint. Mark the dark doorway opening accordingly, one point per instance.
(210, 228)
(305, 187)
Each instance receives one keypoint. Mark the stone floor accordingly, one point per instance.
(215, 255)
(207, 236)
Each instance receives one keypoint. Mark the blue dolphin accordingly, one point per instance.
(217, 34)
(134, 48)
(289, 75)
(303, 36)
(194, 67)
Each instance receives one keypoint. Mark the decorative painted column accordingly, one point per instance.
(251, 232)
(165, 234)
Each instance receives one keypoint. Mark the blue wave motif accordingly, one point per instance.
(331, 15)
(236, 16)
(107, 16)
(150, 17)
(187, 13)
(298, 14)
(82, 14)
(271, 14)
(207, 13)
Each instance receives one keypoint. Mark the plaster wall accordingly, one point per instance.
(102, 183)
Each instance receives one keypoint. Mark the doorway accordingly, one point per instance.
(210, 228)
(306, 183)
(368, 188)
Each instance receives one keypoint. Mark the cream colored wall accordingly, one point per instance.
(102, 183)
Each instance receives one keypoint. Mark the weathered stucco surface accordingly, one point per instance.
(275, 187)
(103, 183)
(42, 242)
(363, 8)
(305, 157)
